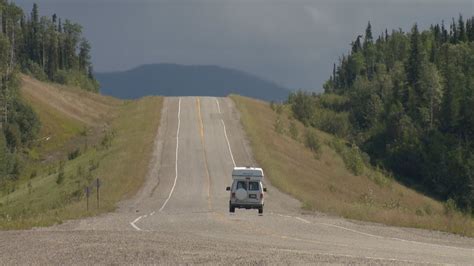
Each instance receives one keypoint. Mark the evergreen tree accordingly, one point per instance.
(54, 20)
(34, 35)
(90, 73)
(356, 46)
(414, 68)
(468, 29)
(454, 32)
(61, 60)
(471, 29)
(437, 34)
(369, 51)
(368, 38)
(444, 33)
(84, 56)
(52, 52)
(462, 30)
(72, 33)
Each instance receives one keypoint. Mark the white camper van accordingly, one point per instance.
(247, 191)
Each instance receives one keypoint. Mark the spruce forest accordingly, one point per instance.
(46, 48)
(406, 100)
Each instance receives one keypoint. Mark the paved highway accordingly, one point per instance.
(181, 213)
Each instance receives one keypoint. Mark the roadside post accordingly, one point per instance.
(97, 183)
(88, 192)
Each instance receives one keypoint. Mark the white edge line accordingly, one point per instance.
(228, 144)
(176, 165)
(218, 106)
(176, 171)
(303, 220)
(395, 238)
(375, 236)
(225, 133)
(287, 216)
(133, 223)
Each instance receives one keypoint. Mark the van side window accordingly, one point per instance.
(241, 184)
(253, 186)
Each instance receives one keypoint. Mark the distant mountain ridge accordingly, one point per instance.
(183, 80)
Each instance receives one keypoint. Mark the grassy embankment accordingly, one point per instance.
(323, 183)
(94, 136)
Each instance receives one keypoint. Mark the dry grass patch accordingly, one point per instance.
(321, 181)
(66, 114)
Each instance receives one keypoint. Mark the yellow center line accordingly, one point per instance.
(209, 201)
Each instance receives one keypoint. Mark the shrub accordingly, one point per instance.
(378, 177)
(427, 209)
(334, 102)
(33, 174)
(13, 136)
(293, 130)
(272, 105)
(302, 105)
(312, 141)
(332, 122)
(352, 156)
(279, 108)
(83, 132)
(35, 70)
(79, 171)
(61, 174)
(419, 212)
(23, 125)
(74, 154)
(77, 79)
(278, 126)
(392, 204)
(368, 198)
(107, 139)
(450, 207)
(30, 187)
(93, 165)
(354, 160)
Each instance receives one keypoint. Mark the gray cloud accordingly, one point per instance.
(291, 42)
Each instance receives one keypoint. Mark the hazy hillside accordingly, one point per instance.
(179, 80)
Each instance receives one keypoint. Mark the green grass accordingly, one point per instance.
(325, 180)
(121, 163)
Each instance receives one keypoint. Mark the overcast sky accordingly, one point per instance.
(291, 42)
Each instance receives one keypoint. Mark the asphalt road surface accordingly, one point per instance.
(181, 213)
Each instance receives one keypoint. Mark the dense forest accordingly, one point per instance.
(406, 99)
(46, 48)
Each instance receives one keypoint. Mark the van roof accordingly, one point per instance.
(247, 172)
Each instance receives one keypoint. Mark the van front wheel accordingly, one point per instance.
(231, 209)
(260, 210)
